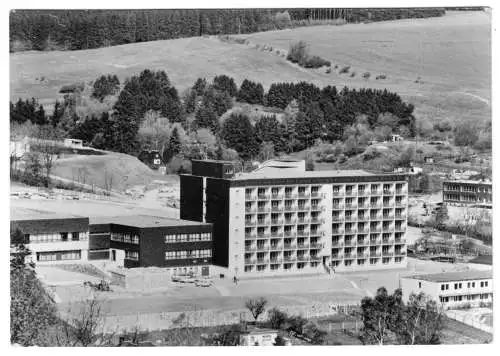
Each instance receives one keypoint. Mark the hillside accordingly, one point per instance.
(121, 171)
(442, 65)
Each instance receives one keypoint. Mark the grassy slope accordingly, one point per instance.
(451, 55)
(127, 171)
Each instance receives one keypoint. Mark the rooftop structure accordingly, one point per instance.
(142, 221)
(453, 276)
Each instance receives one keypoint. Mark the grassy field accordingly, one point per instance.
(451, 55)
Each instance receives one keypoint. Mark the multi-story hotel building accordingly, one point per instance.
(282, 220)
(451, 289)
(467, 192)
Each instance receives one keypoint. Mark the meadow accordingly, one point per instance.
(441, 65)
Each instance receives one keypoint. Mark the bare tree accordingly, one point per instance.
(256, 306)
(108, 182)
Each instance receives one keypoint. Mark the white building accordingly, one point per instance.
(451, 289)
(258, 337)
(73, 143)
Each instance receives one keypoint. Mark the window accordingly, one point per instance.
(58, 256)
(64, 236)
(132, 255)
(473, 284)
(482, 284)
(486, 283)
(443, 286)
(419, 284)
(75, 236)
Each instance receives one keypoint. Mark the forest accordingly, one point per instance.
(47, 30)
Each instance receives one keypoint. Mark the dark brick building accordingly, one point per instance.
(145, 241)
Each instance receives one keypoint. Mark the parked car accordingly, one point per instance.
(203, 283)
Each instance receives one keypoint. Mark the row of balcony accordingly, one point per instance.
(368, 242)
(347, 256)
(338, 206)
(353, 193)
(368, 218)
(312, 246)
(285, 259)
(313, 195)
(354, 230)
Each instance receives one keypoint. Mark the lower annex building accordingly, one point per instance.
(281, 219)
(180, 246)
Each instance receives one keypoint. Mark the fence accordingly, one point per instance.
(213, 317)
(469, 318)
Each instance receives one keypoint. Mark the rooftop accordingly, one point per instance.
(19, 213)
(468, 181)
(453, 276)
(277, 172)
(142, 221)
(255, 331)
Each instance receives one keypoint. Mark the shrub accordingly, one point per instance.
(328, 70)
(466, 134)
(381, 76)
(345, 70)
(298, 52)
(353, 74)
(336, 66)
(277, 318)
(443, 126)
(316, 62)
(366, 75)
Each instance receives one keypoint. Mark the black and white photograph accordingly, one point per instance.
(250, 176)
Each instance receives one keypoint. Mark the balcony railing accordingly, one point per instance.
(303, 221)
(263, 210)
(302, 233)
(289, 258)
(303, 258)
(388, 191)
(277, 196)
(400, 253)
(363, 230)
(317, 221)
(350, 193)
(317, 195)
(250, 248)
(350, 243)
(290, 233)
(337, 257)
(303, 207)
(401, 191)
(400, 241)
(400, 227)
(316, 245)
(262, 235)
(349, 256)
(375, 254)
(375, 205)
(400, 203)
(316, 207)
(263, 248)
(338, 206)
(276, 247)
(376, 192)
(250, 197)
(276, 221)
(337, 218)
(363, 192)
(290, 221)
(364, 242)
(351, 231)
(315, 258)
(337, 244)
(338, 193)
(375, 229)
(290, 196)
(250, 236)
(263, 222)
(276, 234)
(289, 247)
(250, 261)
(302, 246)
(275, 260)
(363, 255)
(317, 233)
(250, 223)
(351, 218)
(387, 254)
(290, 207)
(262, 260)
(250, 210)
(400, 216)
(387, 241)
(363, 218)
(388, 228)
(388, 217)
(337, 231)
(375, 241)
(304, 195)
(387, 204)
(263, 196)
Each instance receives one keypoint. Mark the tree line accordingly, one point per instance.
(148, 108)
(47, 30)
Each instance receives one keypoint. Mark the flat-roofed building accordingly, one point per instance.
(52, 238)
(276, 221)
(181, 246)
(452, 289)
(468, 192)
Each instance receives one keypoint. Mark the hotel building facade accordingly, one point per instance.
(283, 220)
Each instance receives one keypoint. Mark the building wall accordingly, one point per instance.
(464, 193)
(258, 339)
(236, 254)
(191, 199)
(470, 291)
(217, 213)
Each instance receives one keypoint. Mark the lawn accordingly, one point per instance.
(450, 54)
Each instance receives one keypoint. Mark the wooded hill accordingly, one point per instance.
(46, 30)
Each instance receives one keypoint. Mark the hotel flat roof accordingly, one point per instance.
(275, 173)
(453, 276)
(142, 221)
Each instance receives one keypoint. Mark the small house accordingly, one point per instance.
(73, 143)
(151, 158)
(258, 337)
(429, 159)
(395, 138)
